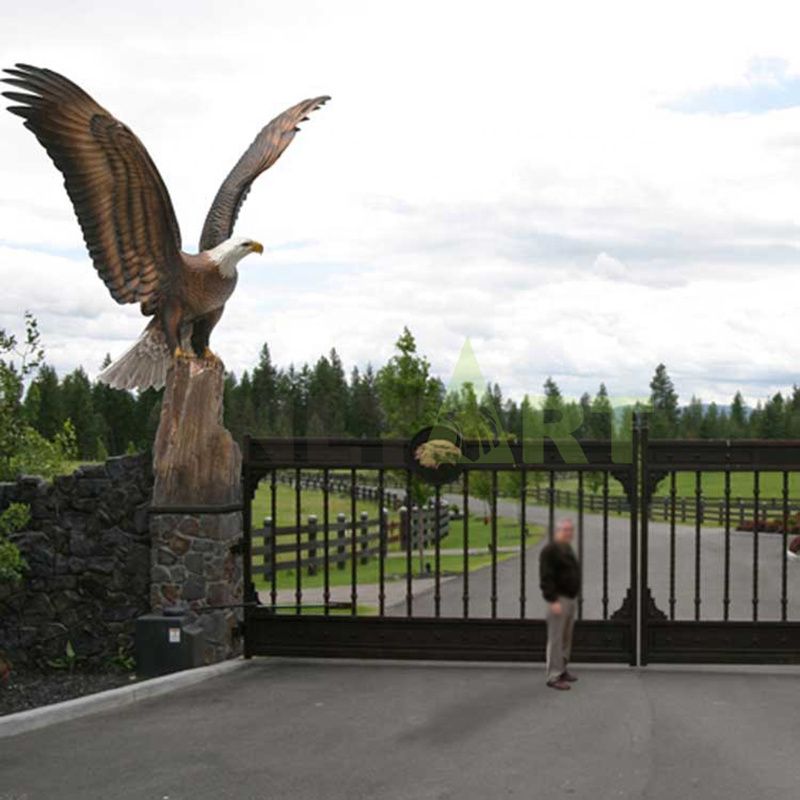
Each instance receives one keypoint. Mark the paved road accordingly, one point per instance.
(711, 573)
(350, 731)
(510, 574)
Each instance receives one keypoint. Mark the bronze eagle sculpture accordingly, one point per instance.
(129, 225)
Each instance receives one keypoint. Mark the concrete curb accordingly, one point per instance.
(24, 721)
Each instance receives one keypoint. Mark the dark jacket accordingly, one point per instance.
(559, 573)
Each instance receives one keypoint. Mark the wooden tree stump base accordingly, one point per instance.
(195, 459)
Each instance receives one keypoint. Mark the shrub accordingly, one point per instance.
(36, 455)
(12, 565)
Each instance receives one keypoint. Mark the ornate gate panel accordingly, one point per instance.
(716, 579)
(376, 572)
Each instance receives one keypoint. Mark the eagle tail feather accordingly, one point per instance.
(144, 365)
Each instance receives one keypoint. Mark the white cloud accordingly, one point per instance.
(516, 175)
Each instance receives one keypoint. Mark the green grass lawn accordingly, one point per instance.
(712, 483)
(312, 611)
(369, 573)
(312, 500)
(480, 533)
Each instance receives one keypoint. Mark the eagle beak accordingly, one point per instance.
(257, 247)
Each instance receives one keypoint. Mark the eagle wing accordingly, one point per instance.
(259, 157)
(122, 205)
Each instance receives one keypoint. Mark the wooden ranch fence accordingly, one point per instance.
(306, 547)
(711, 509)
(393, 498)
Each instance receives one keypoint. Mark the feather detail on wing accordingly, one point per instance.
(122, 205)
(260, 156)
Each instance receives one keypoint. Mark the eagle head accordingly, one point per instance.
(229, 253)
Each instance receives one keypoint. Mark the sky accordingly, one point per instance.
(581, 190)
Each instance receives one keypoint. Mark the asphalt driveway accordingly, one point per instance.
(294, 730)
(711, 585)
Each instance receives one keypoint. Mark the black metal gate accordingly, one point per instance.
(307, 594)
(345, 582)
(716, 582)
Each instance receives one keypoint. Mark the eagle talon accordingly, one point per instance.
(211, 357)
(181, 353)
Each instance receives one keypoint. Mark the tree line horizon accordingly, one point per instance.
(399, 398)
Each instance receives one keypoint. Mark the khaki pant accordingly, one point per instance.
(559, 637)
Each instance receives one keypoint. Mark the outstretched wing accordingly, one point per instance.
(120, 200)
(260, 156)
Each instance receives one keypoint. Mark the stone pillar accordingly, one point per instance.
(195, 566)
(196, 518)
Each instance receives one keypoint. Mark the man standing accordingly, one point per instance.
(560, 580)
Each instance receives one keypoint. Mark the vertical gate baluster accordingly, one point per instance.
(326, 532)
(437, 556)
(605, 545)
(756, 493)
(726, 589)
(409, 576)
(784, 547)
(756, 526)
(353, 546)
(273, 505)
(580, 542)
(698, 511)
(298, 545)
(523, 551)
(465, 543)
(637, 559)
(640, 458)
(382, 548)
(494, 544)
(551, 508)
(673, 501)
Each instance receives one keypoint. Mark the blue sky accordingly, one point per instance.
(767, 85)
(581, 189)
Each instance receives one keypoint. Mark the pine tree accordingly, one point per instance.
(513, 419)
(328, 397)
(691, 419)
(116, 410)
(265, 401)
(664, 404)
(713, 424)
(364, 412)
(793, 414)
(585, 405)
(552, 394)
(76, 391)
(738, 422)
(772, 424)
(49, 415)
(602, 424)
(494, 408)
